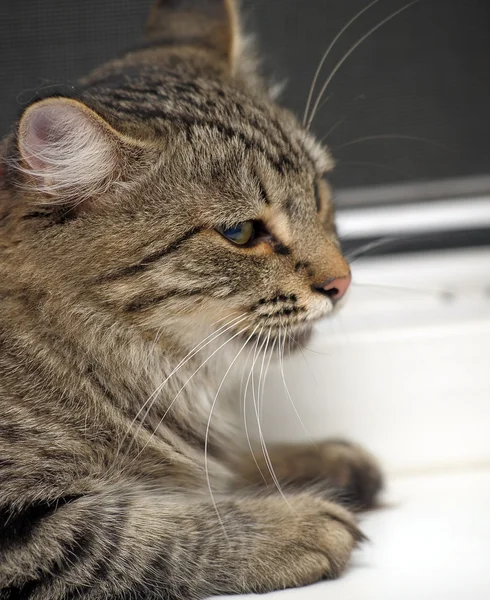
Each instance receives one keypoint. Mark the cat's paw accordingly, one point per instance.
(352, 473)
(334, 468)
(306, 539)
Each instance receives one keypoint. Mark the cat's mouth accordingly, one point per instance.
(289, 338)
(287, 311)
(285, 320)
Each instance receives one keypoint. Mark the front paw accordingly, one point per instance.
(305, 539)
(334, 468)
(352, 473)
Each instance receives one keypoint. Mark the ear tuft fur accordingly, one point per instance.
(67, 151)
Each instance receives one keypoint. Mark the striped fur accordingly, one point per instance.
(122, 308)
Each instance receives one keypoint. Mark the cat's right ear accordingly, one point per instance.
(207, 24)
(69, 153)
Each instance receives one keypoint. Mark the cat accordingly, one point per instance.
(157, 221)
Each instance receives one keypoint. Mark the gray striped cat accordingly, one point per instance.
(156, 225)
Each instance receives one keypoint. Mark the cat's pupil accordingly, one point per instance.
(240, 234)
(235, 230)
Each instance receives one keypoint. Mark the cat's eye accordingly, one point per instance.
(240, 234)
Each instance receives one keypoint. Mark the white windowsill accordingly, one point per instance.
(432, 542)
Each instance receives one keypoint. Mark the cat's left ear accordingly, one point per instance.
(207, 24)
(68, 152)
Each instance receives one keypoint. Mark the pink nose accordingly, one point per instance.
(337, 287)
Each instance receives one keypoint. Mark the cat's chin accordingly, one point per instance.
(299, 340)
(292, 341)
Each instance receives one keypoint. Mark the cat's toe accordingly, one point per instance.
(307, 539)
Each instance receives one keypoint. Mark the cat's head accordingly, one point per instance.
(171, 191)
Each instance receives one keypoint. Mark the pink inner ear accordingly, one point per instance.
(44, 124)
(44, 134)
(66, 148)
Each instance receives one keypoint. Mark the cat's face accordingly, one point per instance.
(264, 244)
(196, 202)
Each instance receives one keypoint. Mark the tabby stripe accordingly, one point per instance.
(266, 133)
(129, 73)
(148, 108)
(16, 527)
(112, 537)
(77, 592)
(161, 566)
(75, 551)
(290, 206)
(37, 215)
(263, 192)
(19, 593)
(143, 264)
(82, 548)
(280, 163)
(129, 93)
(124, 82)
(58, 216)
(94, 379)
(145, 302)
(281, 248)
(193, 438)
(150, 111)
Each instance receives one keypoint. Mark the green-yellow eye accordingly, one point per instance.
(240, 234)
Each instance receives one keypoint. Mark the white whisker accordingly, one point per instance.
(291, 338)
(208, 426)
(153, 396)
(343, 119)
(197, 348)
(263, 445)
(184, 386)
(260, 383)
(391, 136)
(244, 368)
(281, 366)
(350, 256)
(245, 420)
(265, 377)
(348, 53)
(156, 339)
(327, 52)
(333, 128)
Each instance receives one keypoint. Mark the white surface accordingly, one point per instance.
(433, 543)
(440, 215)
(404, 371)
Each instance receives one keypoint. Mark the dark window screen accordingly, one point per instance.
(425, 74)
